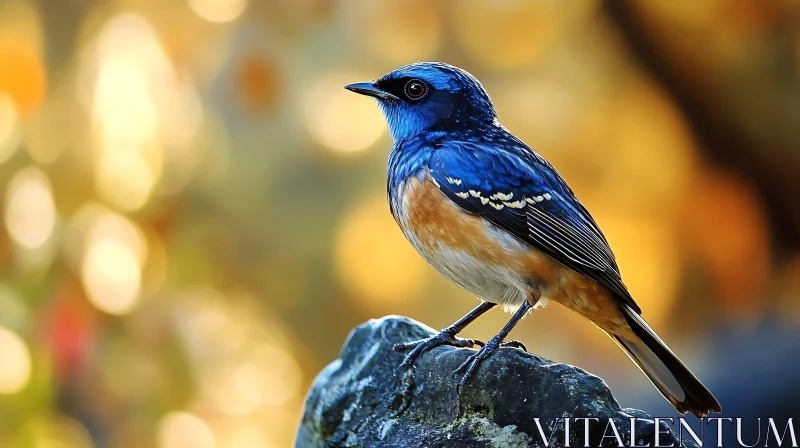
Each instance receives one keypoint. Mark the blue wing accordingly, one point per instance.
(518, 191)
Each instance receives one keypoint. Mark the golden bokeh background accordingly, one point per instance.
(194, 210)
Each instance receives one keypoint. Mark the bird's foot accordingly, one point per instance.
(445, 337)
(469, 366)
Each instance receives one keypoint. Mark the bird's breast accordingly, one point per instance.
(466, 248)
(434, 222)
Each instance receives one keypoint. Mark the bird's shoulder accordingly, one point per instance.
(497, 162)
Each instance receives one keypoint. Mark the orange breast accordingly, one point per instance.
(437, 221)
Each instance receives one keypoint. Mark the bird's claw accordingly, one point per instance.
(469, 366)
(514, 344)
(444, 337)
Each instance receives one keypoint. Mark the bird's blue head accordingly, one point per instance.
(429, 96)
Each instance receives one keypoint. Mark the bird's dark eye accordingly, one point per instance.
(415, 89)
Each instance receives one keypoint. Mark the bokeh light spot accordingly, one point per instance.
(139, 108)
(30, 213)
(15, 370)
(111, 275)
(109, 225)
(342, 120)
(95, 222)
(374, 259)
(185, 430)
(218, 10)
(124, 179)
(22, 75)
(121, 96)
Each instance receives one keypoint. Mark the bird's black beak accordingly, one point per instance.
(369, 89)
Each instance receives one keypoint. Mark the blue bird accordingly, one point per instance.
(495, 218)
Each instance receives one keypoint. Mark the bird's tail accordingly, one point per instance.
(678, 385)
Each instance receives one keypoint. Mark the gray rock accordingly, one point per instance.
(363, 400)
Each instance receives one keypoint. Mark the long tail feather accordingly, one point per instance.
(678, 385)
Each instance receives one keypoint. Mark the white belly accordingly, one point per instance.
(492, 283)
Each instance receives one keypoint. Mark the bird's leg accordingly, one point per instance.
(445, 337)
(471, 364)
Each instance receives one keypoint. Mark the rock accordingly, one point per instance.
(363, 400)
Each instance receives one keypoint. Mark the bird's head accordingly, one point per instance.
(429, 96)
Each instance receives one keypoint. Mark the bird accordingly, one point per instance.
(494, 217)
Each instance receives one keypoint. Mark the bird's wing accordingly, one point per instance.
(521, 193)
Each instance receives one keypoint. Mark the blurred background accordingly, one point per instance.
(194, 211)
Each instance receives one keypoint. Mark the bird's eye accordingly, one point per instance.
(415, 89)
